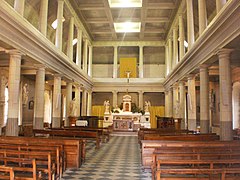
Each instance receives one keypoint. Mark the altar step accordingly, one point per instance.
(124, 133)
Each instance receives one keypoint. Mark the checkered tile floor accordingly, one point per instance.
(119, 159)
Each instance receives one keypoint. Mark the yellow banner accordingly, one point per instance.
(128, 66)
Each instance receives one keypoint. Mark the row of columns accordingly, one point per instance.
(174, 50)
(83, 60)
(175, 101)
(38, 120)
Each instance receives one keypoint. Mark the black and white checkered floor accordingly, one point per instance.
(118, 159)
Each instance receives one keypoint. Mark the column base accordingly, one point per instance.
(192, 124)
(56, 122)
(12, 127)
(226, 132)
(38, 123)
(204, 126)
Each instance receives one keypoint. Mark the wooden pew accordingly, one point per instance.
(70, 133)
(24, 168)
(74, 149)
(6, 173)
(148, 147)
(221, 167)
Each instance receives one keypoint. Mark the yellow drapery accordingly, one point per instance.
(128, 65)
(155, 110)
(98, 110)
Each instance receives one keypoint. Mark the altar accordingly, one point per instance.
(125, 119)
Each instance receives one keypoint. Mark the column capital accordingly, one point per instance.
(224, 52)
(114, 91)
(203, 67)
(191, 76)
(181, 83)
(14, 52)
(40, 66)
(140, 92)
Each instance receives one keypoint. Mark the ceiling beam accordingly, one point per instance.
(161, 5)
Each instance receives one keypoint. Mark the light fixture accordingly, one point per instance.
(54, 24)
(124, 3)
(185, 43)
(127, 27)
(74, 41)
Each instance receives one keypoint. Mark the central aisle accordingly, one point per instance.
(119, 159)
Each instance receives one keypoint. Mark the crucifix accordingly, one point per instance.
(128, 75)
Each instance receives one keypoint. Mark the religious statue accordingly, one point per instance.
(25, 94)
(107, 106)
(147, 105)
(73, 108)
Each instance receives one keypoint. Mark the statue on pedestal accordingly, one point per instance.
(146, 107)
(73, 108)
(25, 95)
(107, 107)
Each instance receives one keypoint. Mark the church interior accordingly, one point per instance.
(120, 89)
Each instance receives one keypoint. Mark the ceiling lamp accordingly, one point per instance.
(124, 3)
(127, 27)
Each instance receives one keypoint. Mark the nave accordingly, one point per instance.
(119, 159)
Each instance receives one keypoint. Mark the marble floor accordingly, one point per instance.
(118, 159)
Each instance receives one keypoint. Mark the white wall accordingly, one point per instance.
(102, 70)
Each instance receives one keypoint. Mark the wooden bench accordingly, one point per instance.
(74, 149)
(24, 168)
(222, 167)
(69, 133)
(148, 147)
(6, 173)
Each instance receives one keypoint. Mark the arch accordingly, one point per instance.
(236, 104)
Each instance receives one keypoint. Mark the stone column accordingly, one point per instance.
(170, 102)
(140, 61)
(115, 62)
(39, 98)
(181, 38)
(192, 114)
(175, 47)
(220, 4)
(78, 98)
(182, 101)
(90, 61)
(114, 98)
(68, 102)
(89, 103)
(140, 99)
(170, 55)
(56, 108)
(166, 104)
(59, 30)
(225, 88)
(79, 48)
(43, 17)
(190, 24)
(85, 57)
(84, 102)
(19, 6)
(3, 83)
(175, 101)
(13, 93)
(202, 14)
(166, 60)
(70, 39)
(204, 99)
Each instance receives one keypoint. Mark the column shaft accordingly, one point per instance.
(140, 99)
(90, 61)
(166, 61)
(56, 108)
(170, 102)
(182, 109)
(84, 102)
(114, 98)
(13, 93)
(204, 100)
(170, 54)
(175, 47)
(79, 48)
(190, 24)
(140, 61)
(19, 6)
(192, 114)
(85, 57)
(89, 104)
(43, 17)
(3, 83)
(78, 99)
(225, 88)
(39, 99)
(70, 39)
(59, 30)
(68, 102)
(175, 102)
(181, 38)
(115, 62)
(202, 14)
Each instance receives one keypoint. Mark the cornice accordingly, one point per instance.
(128, 43)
